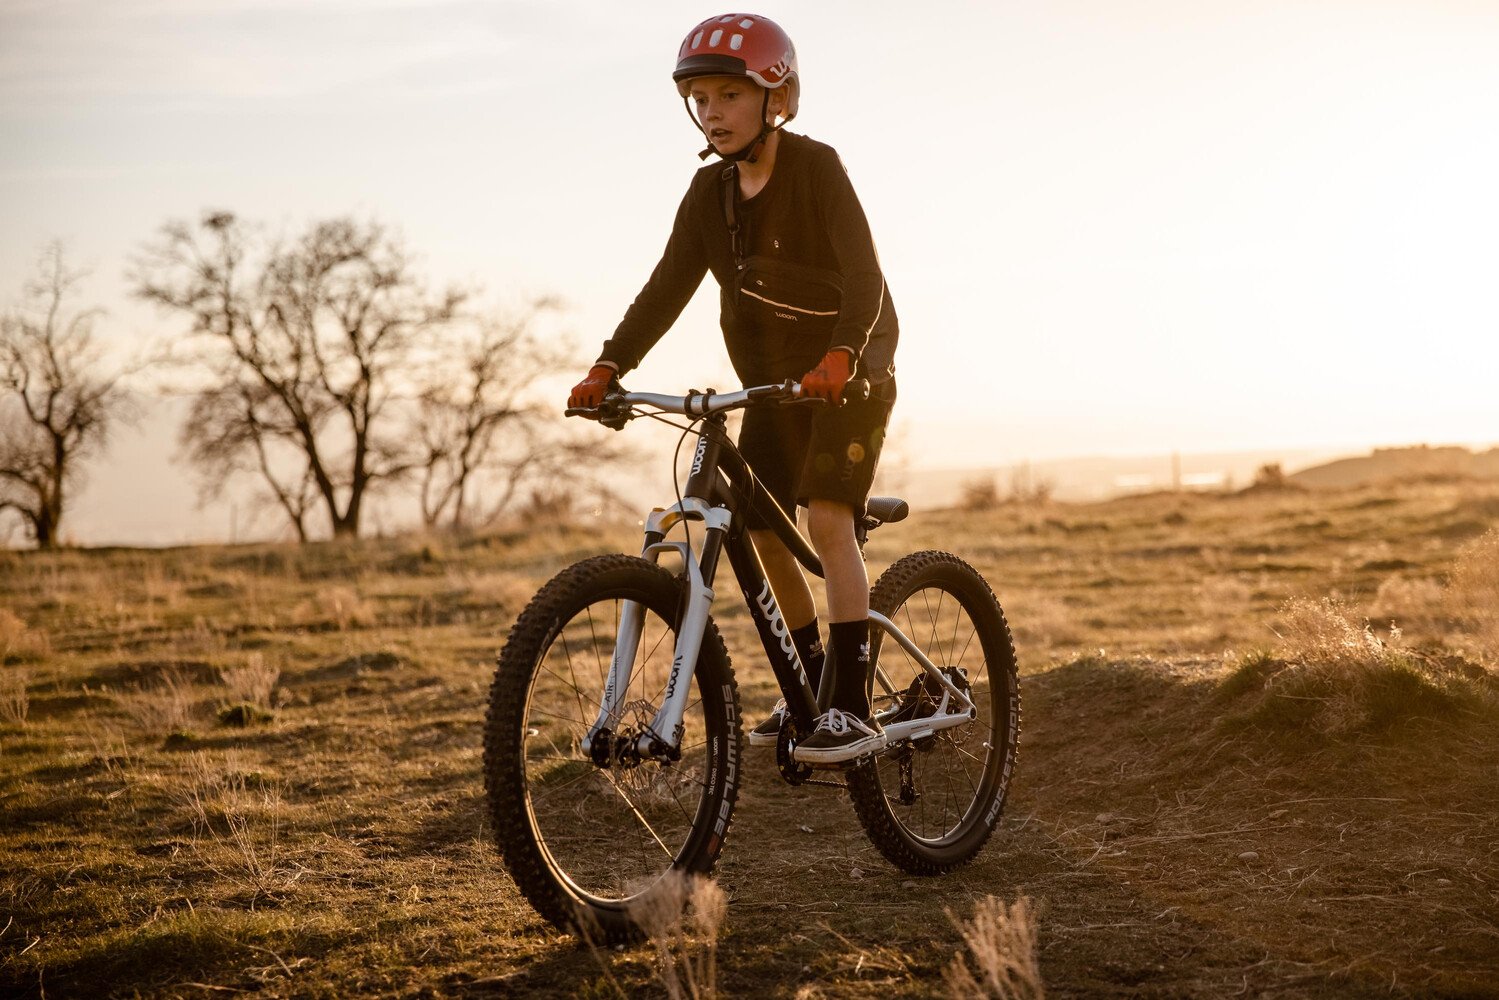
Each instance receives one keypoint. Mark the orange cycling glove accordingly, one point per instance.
(589, 393)
(832, 373)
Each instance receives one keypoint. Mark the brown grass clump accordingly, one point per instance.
(167, 706)
(15, 703)
(1332, 674)
(1001, 940)
(236, 818)
(253, 683)
(1405, 599)
(341, 607)
(1473, 593)
(18, 640)
(682, 916)
(1325, 633)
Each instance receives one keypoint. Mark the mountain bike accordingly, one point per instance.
(612, 743)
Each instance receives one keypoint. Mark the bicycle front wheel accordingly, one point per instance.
(930, 801)
(587, 836)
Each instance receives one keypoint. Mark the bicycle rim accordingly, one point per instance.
(931, 802)
(608, 833)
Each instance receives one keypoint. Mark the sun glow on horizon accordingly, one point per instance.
(1131, 228)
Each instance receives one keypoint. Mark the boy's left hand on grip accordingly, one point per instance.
(827, 380)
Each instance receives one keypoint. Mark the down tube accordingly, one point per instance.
(775, 636)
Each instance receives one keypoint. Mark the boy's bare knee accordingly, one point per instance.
(829, 522)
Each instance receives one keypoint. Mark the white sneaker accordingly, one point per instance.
(838, 737)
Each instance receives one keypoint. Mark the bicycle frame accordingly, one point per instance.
(720, 486)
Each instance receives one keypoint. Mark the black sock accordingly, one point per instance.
(849, 642)
(808, 643)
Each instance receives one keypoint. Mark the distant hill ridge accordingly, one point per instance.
(1417, 462)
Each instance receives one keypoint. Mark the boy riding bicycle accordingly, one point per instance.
(801, 297)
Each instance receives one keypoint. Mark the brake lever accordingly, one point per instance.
(608, 413)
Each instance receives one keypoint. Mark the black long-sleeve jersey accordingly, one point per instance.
(805, 221)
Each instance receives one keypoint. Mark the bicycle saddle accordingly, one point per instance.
(886, 510)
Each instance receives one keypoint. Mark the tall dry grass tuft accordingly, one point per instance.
(253, 683)
(167, 706)
(1406, 599)
(1332, 674)
(18, 640)
(341, 607)
(236, 817)
(1327, 634)
(15, 703)
(682, 915)
(1473, 593)
(1001, 941)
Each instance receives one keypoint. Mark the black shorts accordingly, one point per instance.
(803, 453)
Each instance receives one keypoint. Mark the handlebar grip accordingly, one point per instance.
(856, 390)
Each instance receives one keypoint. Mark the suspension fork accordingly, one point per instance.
(663, 738)
(664, 735)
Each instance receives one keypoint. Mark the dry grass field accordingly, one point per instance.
(257, 771)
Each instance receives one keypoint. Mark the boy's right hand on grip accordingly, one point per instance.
(589, 393)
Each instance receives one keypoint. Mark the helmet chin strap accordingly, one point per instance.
(751, 152)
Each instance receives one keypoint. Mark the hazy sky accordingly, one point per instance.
(1109, 226)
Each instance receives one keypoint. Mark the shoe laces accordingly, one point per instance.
(838, 723)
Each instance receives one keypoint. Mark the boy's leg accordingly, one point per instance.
(787, 582)
(831, 525)
(836, 480)
(846, 729)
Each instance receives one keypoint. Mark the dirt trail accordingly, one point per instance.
(1170, 856)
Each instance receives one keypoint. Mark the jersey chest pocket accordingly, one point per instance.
(790, 299)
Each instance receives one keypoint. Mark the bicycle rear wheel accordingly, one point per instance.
(930, 803)
(588, 839)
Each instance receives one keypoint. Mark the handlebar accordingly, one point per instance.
(618, 407)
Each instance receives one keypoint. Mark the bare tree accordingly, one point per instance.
(57, 401)
(484, 439)
(307, 350)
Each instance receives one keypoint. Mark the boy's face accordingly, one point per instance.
(728, 107)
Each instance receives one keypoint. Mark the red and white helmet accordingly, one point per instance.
(740, 45)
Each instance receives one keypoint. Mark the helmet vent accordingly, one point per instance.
(746, 23)
(713, 38)
(726, 18)
(736, 42)
(697, 39)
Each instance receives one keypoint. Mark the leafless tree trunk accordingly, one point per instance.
(56, 403)
(307, 349)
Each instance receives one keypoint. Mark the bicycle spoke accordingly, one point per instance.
(643, 821)
(568, 656)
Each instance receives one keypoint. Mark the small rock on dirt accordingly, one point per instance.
(1250, 856)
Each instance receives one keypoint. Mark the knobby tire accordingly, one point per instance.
(947, 608)
(586, 844)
